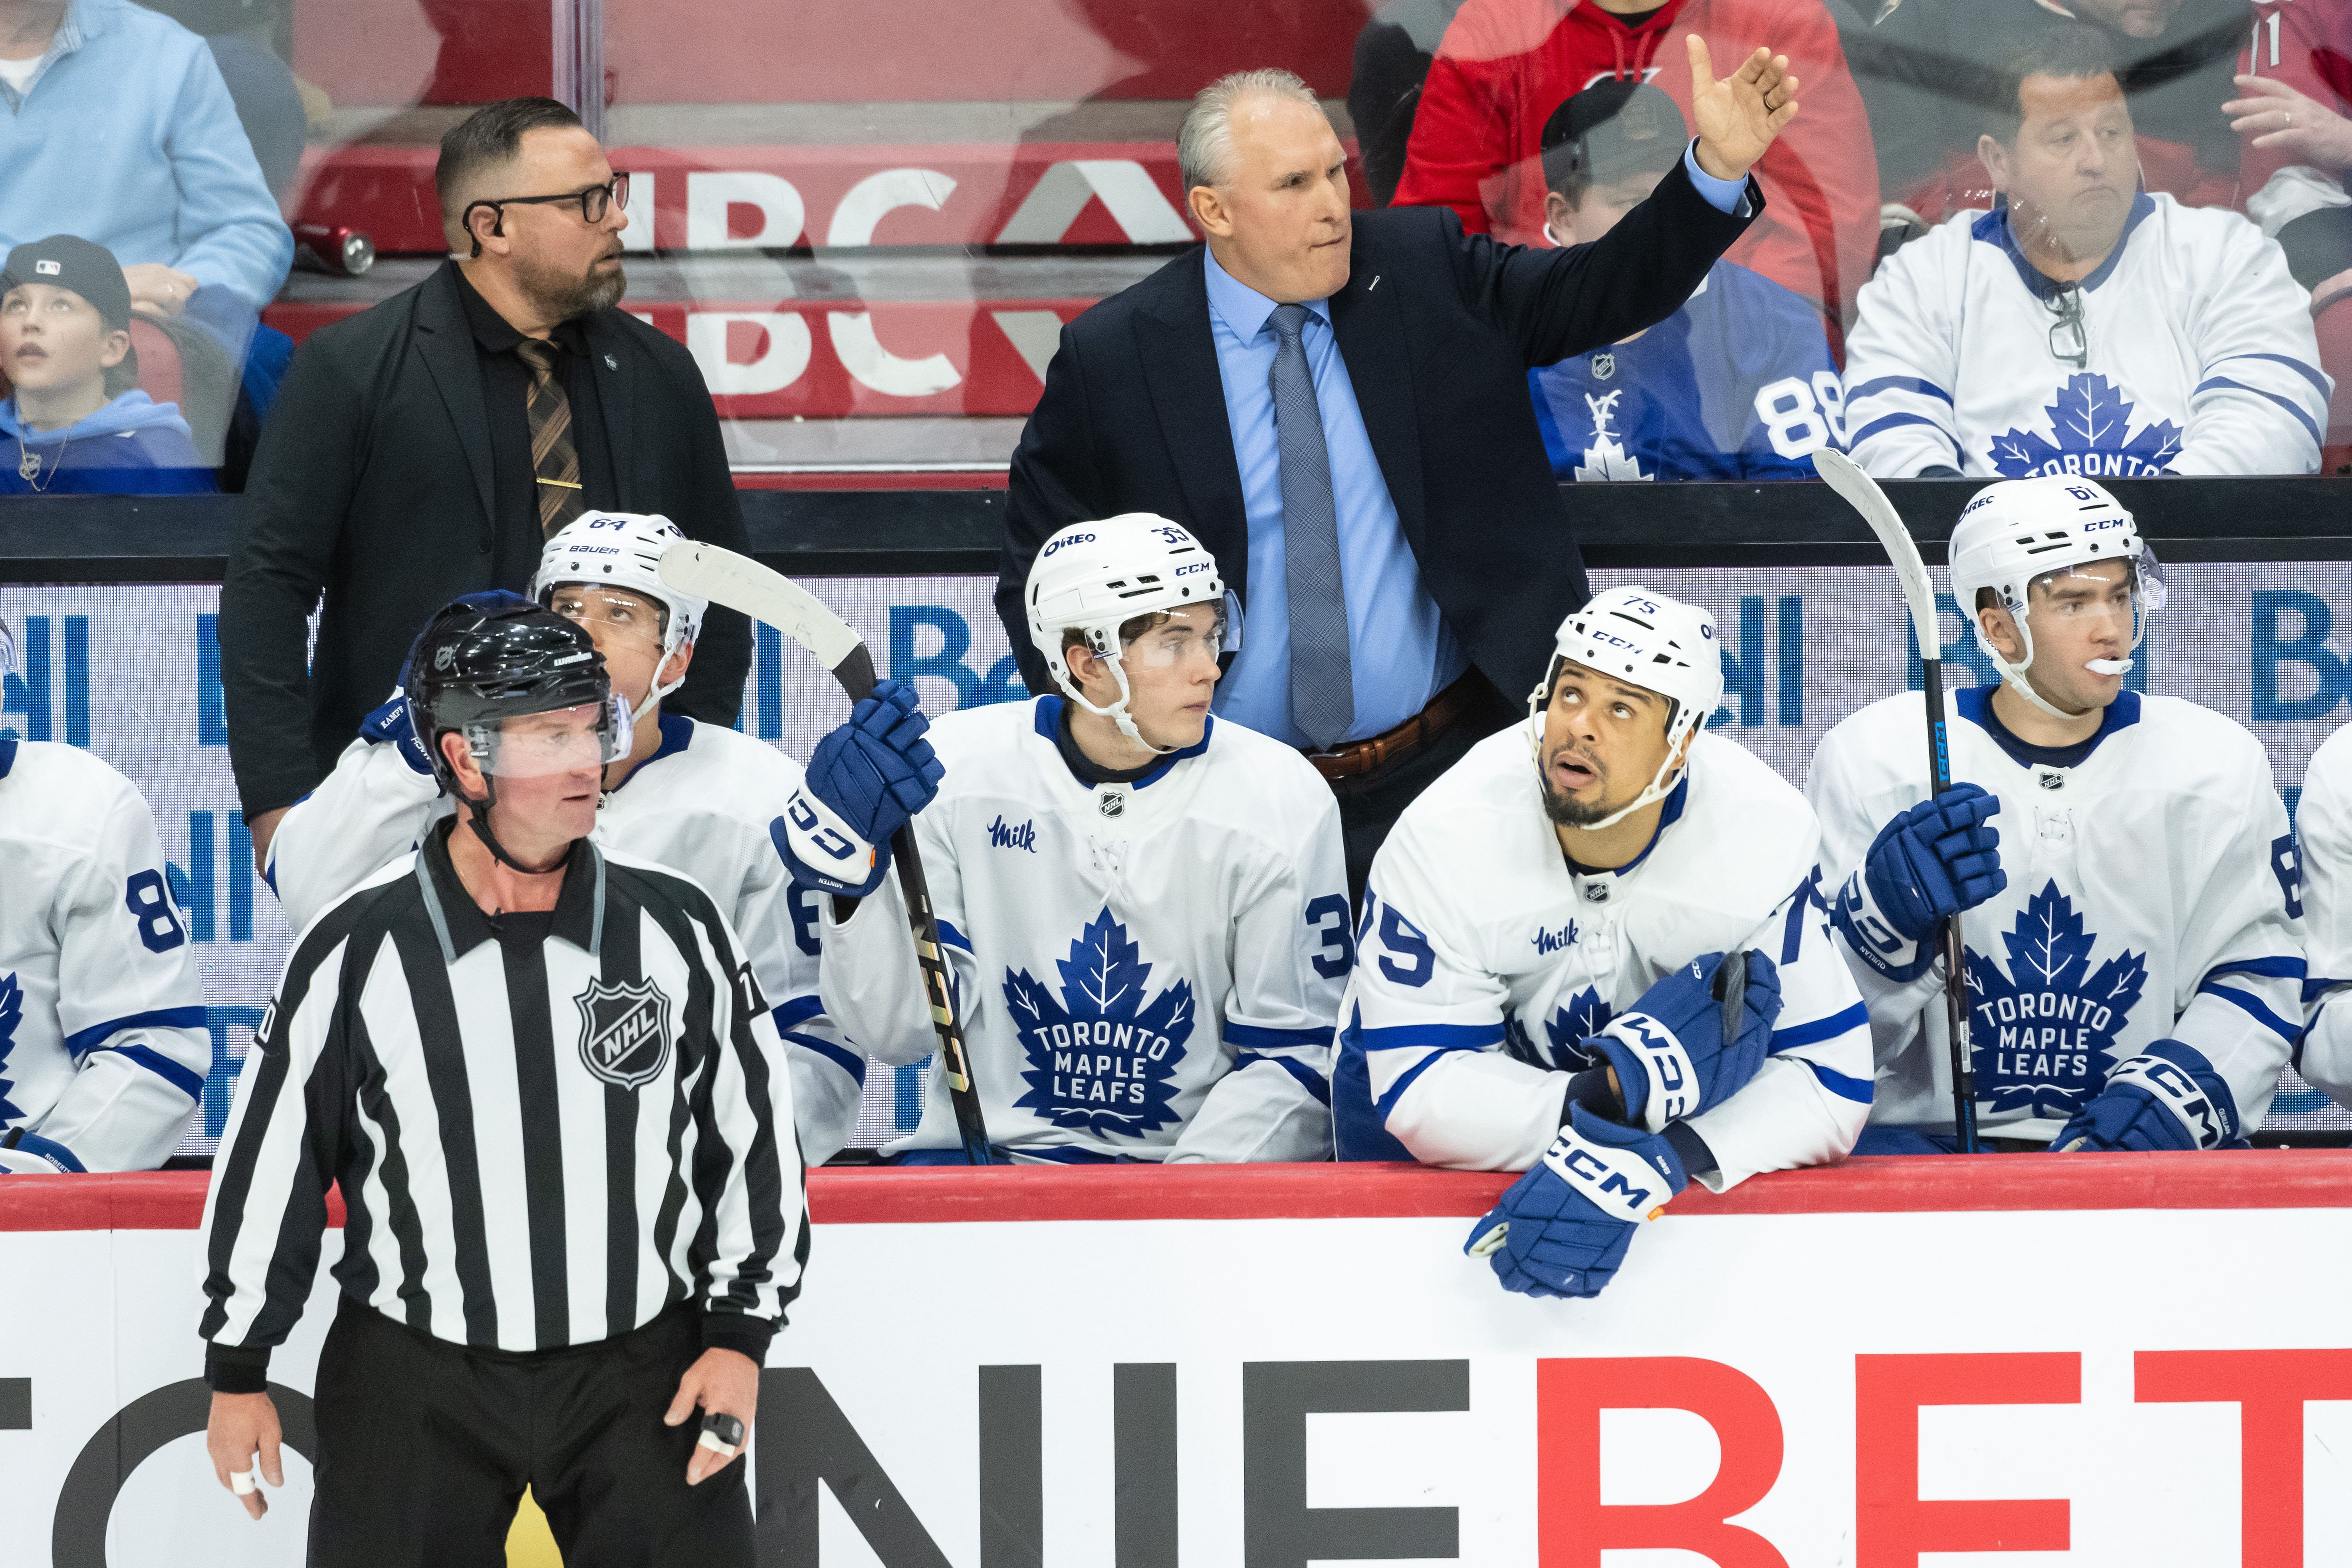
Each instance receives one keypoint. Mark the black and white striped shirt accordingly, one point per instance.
(546, 1128)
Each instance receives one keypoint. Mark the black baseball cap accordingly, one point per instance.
(67, 261)
(1612, 131)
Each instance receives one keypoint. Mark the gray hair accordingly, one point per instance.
(1204, 142)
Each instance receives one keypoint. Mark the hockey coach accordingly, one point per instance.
(1337, 406)
(547, 1084)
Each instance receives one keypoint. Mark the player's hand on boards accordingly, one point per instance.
(2167, 1098)
(1563, 1228)
(1738, 116)
(865, 782)
(722, 1382)
(1669, 1053)
(1936, 859)
(240, 1426)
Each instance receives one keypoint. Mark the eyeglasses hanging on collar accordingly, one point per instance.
(2068, 339)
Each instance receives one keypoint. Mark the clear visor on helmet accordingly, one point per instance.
(2089, 591)
(536, 745)
(613, 617)
(1173, 641)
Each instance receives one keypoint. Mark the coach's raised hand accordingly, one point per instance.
(1738, 115)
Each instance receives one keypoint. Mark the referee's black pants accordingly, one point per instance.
(425, 1448)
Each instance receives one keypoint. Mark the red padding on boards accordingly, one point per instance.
(2259, 1179)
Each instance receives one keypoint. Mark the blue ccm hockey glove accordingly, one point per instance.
(1669, 1052)
(389, 725)
(1562, 1228)
(1935, 861)
(2168, 1096)
(29, 1154)
(864, 781)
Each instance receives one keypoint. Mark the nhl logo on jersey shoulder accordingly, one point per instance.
(624, 1032)
(1604, 365)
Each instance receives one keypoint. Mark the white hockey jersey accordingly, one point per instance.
(1146, 971)
(703, 805)
(2201, 358)
(103, 1048)
(2152, 895)
(2323, 835)
(1483, 957)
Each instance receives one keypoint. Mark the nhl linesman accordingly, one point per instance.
(547, 1085)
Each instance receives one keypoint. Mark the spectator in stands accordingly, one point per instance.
(1930, 70)
(425, 447)
(2295, 84)
(2082, 326)
(1392, 57)
(77, 422)
(1506, 66)
(1390, 548)
(1736, 384)
(119, 128)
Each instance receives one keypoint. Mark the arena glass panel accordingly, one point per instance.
(132, 674)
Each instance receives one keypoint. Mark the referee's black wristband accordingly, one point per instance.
(739, 1333)
(232, 1370)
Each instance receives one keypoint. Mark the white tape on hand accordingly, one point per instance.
(708, 1439)
(243, 1483)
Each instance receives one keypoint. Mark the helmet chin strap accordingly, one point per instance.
(477, 813)
(1660, 786)
(1117, 712)
(658, 690)
(2013, 676)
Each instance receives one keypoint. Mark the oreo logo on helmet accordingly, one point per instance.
(1073, 539)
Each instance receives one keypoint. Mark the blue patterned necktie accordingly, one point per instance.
(1322, 689)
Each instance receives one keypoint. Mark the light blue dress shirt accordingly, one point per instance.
(1400, 652)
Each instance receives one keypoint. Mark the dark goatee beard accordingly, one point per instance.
(567, 297)
(1564, 810)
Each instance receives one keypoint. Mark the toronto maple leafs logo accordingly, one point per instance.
(2090, 433)
(12, 1012)
(1101, 1056)
(1585, 1014)
(2043, 1032)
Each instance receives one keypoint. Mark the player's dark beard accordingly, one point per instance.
(1563, 810)
(559, 296)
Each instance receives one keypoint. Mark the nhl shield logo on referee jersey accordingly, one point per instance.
(624, 1032)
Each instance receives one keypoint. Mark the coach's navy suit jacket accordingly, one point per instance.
(1439, 329)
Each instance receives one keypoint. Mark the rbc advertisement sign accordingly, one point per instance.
(132, 673)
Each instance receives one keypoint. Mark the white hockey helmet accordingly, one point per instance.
(1094, 577)
(2018, 531)
(1648, 640)
(624, 550)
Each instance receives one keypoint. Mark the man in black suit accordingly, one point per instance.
(424, 448)
(1399, 549)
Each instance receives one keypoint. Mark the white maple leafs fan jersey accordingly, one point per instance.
(704, 805)
(2323, 830)
(103, 1048)
(2152, 895)
(1146, 971)
(1482, 959)
(2201, 358)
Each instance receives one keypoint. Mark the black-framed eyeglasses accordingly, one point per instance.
(594, 201)
(2068, 339)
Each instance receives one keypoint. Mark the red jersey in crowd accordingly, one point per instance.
(2306, 44)
(1504, 65)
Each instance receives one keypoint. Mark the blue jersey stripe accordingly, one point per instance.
(2277, 968)
(952, 937)
(2261, 1015)
(1258, 1036)
(191, 1084)
(1440, 1037)
(1386, 1103)
(1898, 383)
(791, 1014)
(2310, 374)
(1309, 1078)
(1855, 1089)
(1853, 1017)
(1892, 421)
(2309, 424)
(84, 1041)
(847, 1061)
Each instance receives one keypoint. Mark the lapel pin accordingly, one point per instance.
(1373, 284)
(612, 363)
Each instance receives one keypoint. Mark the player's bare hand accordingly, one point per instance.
(723, 1383)
(2281, 120)
(262, 830)
(1738, 116)
(159, 291)
(241, 1425)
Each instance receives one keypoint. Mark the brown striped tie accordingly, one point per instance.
(553, 457)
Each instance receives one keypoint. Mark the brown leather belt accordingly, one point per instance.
(1357, 758)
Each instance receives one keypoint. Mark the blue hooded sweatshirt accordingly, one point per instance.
(132, 446)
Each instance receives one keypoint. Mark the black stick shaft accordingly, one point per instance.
(855, 674)
(1956, 997)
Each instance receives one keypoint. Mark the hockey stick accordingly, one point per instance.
(739, 582)
(1861, 493)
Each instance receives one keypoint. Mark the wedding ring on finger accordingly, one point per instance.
(243, 1483)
